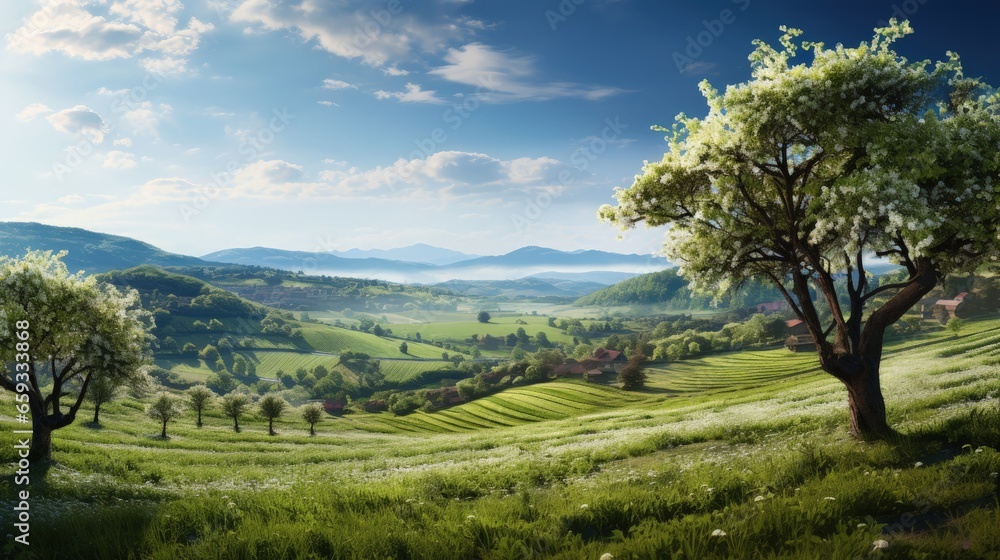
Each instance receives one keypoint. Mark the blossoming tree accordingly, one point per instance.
(59, 333)
(806, 172)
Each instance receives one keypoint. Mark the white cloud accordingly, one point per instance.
(127, 142)
(394, 71)
(330, 83)
(79, 120)
(116, 159)
(145, 119)
(501, 76)
(450, 173)
(84, 29)
(70, 199)
(31, 111)
(328, 104)
(349, 30)
(413, 94)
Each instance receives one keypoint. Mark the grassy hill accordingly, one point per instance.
(87, 250)
(560, 470)
(272, 341)
(666, 288)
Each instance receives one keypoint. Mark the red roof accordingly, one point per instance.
(948, 302)
(792, 323)
(771, 306)
(961, 296)
(608, 356)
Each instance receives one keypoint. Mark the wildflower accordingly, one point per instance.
(470, 517)
(979, 450)
(709, 490)
(917, 465)
(231, 505)
(718, 533)
(867, 473)
(759, 499)
(607, 556)
(830, 498)
(881, 544)
(993, 475)
(584, 506)
(862, 525)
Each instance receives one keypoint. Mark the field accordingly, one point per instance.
(742, 455)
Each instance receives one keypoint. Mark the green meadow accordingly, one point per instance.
(736, 455)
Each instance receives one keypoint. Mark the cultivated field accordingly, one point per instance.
(727, 457)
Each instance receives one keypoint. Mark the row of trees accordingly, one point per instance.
(166, 407)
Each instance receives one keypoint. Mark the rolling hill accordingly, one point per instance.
(89, 251)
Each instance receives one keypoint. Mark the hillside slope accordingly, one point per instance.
(87, 250)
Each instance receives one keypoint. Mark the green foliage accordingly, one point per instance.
(271, 406)
(73, 328)
(200, 399)
(633, 375)
(163, 409)
(234, 405)
(312, 413)
(483, 317)
(955, 325)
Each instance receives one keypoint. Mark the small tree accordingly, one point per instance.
(271, 407)
(102, 390)
(164, 409)
(483, 317)
(312, 413)
(234, 405)
(633, 375)
(200, 399)
(403, 348)
(955, 325)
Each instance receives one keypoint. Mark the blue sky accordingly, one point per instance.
(477, 125)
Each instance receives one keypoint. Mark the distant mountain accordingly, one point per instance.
(516, 264)
(417, 253)
(87, 250)
(599, 276)
(529, 286)
(312, 262)
(544, 257)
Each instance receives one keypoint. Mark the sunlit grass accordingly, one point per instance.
(756, 456)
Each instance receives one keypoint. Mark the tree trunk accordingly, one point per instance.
(270, 426)
(312, 429)
(236, 423)
(199, 417)
(163, 434)
(41, 441)
(97, 412)
(867, 406)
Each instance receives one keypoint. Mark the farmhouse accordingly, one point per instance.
(770, 307)
(945, 309)
(604, 361)
(798, 336)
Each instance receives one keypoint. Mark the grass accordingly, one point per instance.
(558, 470)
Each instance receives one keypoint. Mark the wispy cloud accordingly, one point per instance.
(413, 94)
(501, 76)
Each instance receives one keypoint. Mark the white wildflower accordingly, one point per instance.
(881, 544)
(718, 533)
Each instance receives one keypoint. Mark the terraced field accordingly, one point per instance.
(559, 469)
(732, 370)
(324, 338)
(512, 407)
(401, 371)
